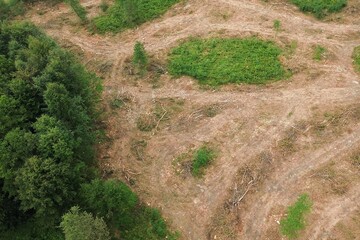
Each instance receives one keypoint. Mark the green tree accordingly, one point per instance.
(112, 200)
(54, 140)
(78, 225)
(45, 185)
(140, 58)
(12, 114)
(17, 146)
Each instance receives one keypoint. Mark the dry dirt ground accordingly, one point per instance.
(274, 142)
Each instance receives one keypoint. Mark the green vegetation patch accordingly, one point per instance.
(121, 208)
(10, 8)
(319, 53)
(125, 14)
(78, 9)
(295, 219)
(48, 128)
(202, 158)
(218, 61)
(356, 57)
(320, 8)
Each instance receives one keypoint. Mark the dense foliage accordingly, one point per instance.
(356, 57)
(47, 131)
(218, 61)
(125, 14)
(295, 219)
(121, 208)
(47, 104)
(320, 8)
(10, 8)
(82, 225)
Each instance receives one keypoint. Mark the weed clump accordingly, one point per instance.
(125, 14)
(146, 122)
(78, 9)
(277, 25)
(356, 57)
(295, 219)
(218, 61)
(320, 8)
(140, 58)
(202, 158)
(319, 53)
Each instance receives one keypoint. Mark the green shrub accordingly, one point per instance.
(82, 225)
(319, 52)
(140, 59)
(78, 9)
(320, 8)
(218, 61)
(277, 25)
(356, 57)
(202, 158)
(11, 8)
(115, 201)
(125, 14)
(48, 105)
(295, 219)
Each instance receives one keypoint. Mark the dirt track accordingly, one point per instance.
(251, 120)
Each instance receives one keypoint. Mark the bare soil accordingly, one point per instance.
(285, 120)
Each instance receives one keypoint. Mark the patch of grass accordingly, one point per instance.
(202, 158)
(356, 57)
(277, 25)
(319, 53)
(295, 219)
(219, 61)
(320, 8)
(287, 144)
(355, 160)
(163, 110)
(125, 14)
(116, 103)
(104, 6)
(146, 122)
(211, 111)
(290, 49)
(78, 9)
(337, 183)
(11, 8)
(138, 148)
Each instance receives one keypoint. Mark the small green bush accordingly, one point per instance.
(319, 52)
(356, 57)
(320, 8)
(125, 14)
(120, 207)
(78, 9)
(295, 219)
(202, 158)
(218, 61)
(140, 59)
(277, 25)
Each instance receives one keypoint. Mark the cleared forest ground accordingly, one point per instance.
(250, 121)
